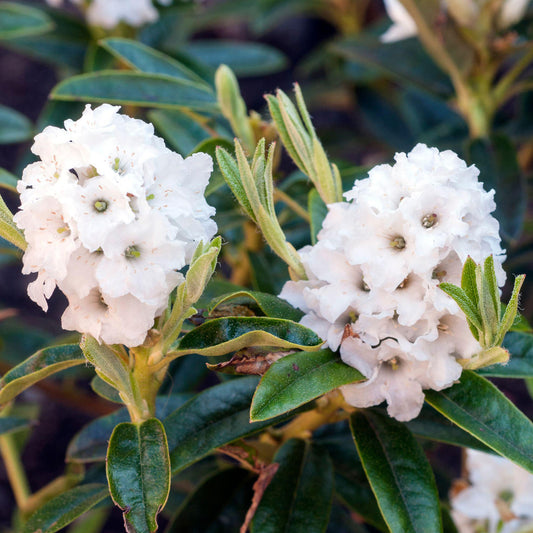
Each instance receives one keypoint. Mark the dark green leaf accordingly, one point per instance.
(317, 211)
(244, 58)
(90, 443)
(211, 419)
(270, 305)
(399, 473)
(223, 335)
(138, 471)
(297, 379)
(203, 511)
(65, 46)
(136, 88)
(182, 132)
(8, 180)
(520, 364)
(40, 365)
(65, 508)
(19, 20)
(431, 425)
(478, 407)
(298, 499)
(499, 169)
(14, 126)
(145, 59)
(405, 61)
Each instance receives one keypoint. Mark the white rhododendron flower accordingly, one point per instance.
(465, 12)
(498, 498)
(110, 216)
(110, 13)
(373, 276)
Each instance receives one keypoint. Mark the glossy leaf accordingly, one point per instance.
(244, 58)
(40, 365)
(60, 511)
(213, 418)
(145, 59)
(223, 335)
(399, 473)
(497, 161)
(14, 126)
(136, 88)
(298, 499)
(8, 180)
(478, 407)
(90, 443)
(317, 211)
(270, 305)
(297, 379)
(204, 509)
(138, 471)
(431, 425)
(19, 20)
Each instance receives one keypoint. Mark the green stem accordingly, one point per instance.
(15, 471)
(281, 196)
(504, 85)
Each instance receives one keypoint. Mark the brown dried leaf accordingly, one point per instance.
(248, 362)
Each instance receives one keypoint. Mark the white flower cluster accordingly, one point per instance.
(110, 215)
(373, 276)
(499, 498)
(465, 12)
(110, 13)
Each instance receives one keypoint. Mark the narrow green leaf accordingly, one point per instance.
(223, 335)
(14, 126)
(104, 390)
(464, 303)
(244, 58)
(431, 425)
(19, 20)
(230, 170)
(399, 473)
(213, 418)
(90, 443)
(136, 88)
(65, 508)
(510, 311)
(40, 365)
(478, 407)
(317, 211)
(270, 305)
(298, 499)
(468, 281)
(8, 180)
(492, 284)
(148, 60)
(204, 509)
(8, 229)
(138, 472)
(299, 378)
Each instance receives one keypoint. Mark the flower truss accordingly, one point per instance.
(466, 12)
(374, 275)
(110, 215)
(499, 497)
(110, 13)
